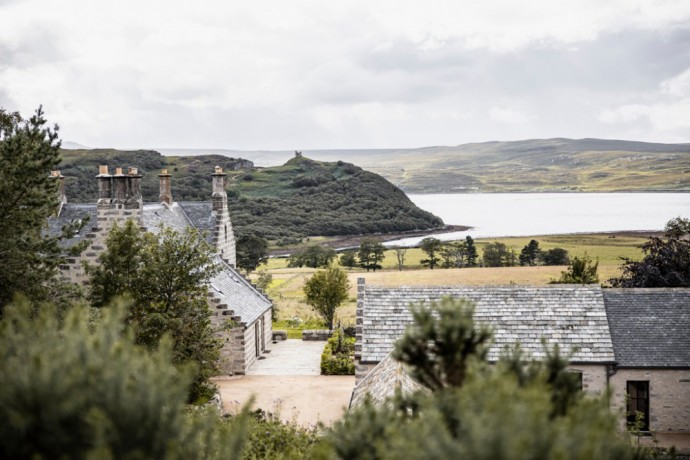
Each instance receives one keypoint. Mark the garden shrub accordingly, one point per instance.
(338, 355)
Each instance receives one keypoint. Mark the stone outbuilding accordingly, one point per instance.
(241, 312)
(650, 329)
(635, 341)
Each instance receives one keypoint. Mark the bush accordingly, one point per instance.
(79, 387)
(338, 355)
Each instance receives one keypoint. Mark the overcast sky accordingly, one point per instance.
(277, 74)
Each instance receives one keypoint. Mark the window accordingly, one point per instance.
(638, 402)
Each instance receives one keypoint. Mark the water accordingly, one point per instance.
(526, 214)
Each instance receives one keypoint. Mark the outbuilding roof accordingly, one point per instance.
(241, 297)
(572, 316)
(649, 327)
(381, 383)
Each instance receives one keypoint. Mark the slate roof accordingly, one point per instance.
(201, 215)
(649, 327)
(382, 382)
(72, 213)
(572, 316)
(157, 214)
(238, 294)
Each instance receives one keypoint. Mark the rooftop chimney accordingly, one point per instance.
(120, 186)
(165, 195)
(133, 197)
(219, 197)
(104, 185)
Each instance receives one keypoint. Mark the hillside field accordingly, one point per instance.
(286, 288)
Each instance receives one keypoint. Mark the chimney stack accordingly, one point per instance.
(133, 199)
(219, 197)
(120, 187)
(165, 195)
(105, 185)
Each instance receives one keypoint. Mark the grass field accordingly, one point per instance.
(286, 288)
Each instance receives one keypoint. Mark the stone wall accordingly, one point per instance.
(669, 397)
(250, 353)
(593, 377)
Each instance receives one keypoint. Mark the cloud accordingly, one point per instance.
(508, 115)
(313, 74)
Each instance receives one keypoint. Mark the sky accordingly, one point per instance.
(303, 74)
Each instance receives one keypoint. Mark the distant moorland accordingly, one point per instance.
(539, 165)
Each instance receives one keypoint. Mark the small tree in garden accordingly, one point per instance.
(580, 271)
(325, 291)
(499, 255)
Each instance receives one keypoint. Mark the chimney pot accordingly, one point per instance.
(118, 171)
(132, 171)
(219, 170)
(103, 170)
(164, 171)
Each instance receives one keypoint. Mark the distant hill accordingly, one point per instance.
(286, 204)
(537, 165)
(309, 198)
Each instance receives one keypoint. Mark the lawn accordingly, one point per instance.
(287, 294)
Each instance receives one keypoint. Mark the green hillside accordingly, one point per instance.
(534, 165)
(308, 198)
(287, 203)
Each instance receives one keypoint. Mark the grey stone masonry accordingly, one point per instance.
(571, 316)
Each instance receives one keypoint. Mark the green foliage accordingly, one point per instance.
(530, 254)
(313, 256)
(666, 261)
(499, 255)
(491, 417)
(251, 251)
(582, 270)
(514, 410)
(310, 198)
(471, 251)
(348, 259)
(268, 437)
(325, 291)
(455, 254)
(338, 357)
(29, 151)
(556, 256)
(441, 342)
(80, 387)
(166, 277)
(370, 254)
(432, 247)
(264, 280)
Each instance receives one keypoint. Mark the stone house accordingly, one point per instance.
(241, 312)
(594, 322)
(650, 330)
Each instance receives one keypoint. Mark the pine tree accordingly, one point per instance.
(371, 253)
(29, 151)
(530, 254)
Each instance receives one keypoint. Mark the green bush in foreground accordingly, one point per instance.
(515, 409)
(81, 388)
(338, 355)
